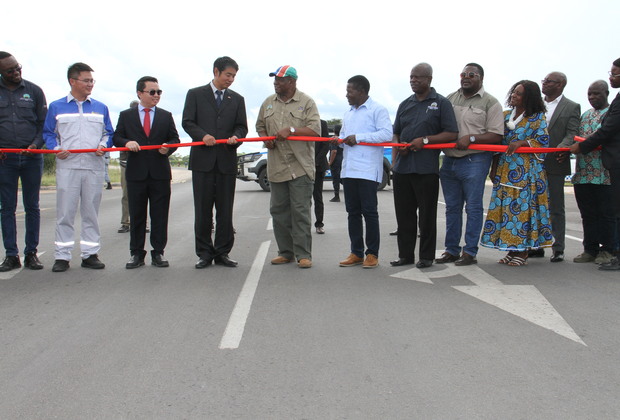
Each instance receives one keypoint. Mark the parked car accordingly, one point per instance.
(253, 167)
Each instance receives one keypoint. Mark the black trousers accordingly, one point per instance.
(155, 195)
(317, 195)
(213, 189)
(599, 223)
(415, 202)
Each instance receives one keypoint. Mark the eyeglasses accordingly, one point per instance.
(152, 92)
(16, 69)
(613, 75)
(87, 81)
(546, 81)
(471, 75)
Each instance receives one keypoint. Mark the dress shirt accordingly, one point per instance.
(551, 106)
(215, 91)
(141, 112)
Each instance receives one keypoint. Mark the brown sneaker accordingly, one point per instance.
(304, 263)
(351, 260)
(446, 257)
(371, 261)
(280, 260)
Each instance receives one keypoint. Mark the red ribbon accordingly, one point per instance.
(486, 147)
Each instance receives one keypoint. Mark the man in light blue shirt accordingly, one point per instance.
(362, 170)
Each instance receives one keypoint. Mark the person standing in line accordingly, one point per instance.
(214, 112)
(122, 159)
(320, 156)
(290, 165)
(608, 137)
(464, 171)
(148, 171)
(78, 122)
(424, 118)
(593, 187)
(22, 114)
(335, 165)
(362, 170)
(563, 122)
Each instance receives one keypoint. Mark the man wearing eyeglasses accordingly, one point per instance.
(464, 171)
(22, 113)
(563, 116)
(148, 172)
(214, 112)
(78, 122)
(608, 137)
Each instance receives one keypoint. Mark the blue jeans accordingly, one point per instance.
(360, 199)
(29, 169)
(462, 182)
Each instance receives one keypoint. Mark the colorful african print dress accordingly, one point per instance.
(518, 217)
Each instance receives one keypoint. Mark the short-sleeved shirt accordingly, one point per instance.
(290, 159)
(22, 114)
(589, 168)
(478, 114)
(414, 119)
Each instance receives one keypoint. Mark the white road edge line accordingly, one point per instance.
(236, 324)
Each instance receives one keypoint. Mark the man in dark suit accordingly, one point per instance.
(148, 172)
(608, 137)
(563, 116)
(320, 156)
(213, 112)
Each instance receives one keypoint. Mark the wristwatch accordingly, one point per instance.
(292, 129)
(472, 139)
(425, 140)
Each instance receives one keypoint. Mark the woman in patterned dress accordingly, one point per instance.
(518, 217)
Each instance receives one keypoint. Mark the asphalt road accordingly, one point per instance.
(277, 342)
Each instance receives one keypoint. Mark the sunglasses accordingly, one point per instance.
(153, 92)
(17, 69)
(471, 75)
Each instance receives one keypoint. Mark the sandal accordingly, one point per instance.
(517, 261)
(506, 259)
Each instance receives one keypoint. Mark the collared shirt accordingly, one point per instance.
(215, 91)
(478, 114)
(22, 114)
(71, 124)
(370, 123)
(589, 168)
(289, 159)
(414, 119)
(551, 106)
(142, 113)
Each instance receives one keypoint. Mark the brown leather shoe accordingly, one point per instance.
(304, 263)
(280, 260)
(351, 260)
(371, 261)
(446, 257)
(466, 259)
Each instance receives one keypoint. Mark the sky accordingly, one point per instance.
(326, 41)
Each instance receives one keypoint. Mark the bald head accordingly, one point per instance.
(420, 80)
(598, 94)
(423, 69)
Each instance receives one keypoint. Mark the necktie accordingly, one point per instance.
(218, 99)
(147, 122)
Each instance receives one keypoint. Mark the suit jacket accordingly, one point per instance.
(321, 148)
(146, 163)
(563, 128)
(607, 136)
(201, 116)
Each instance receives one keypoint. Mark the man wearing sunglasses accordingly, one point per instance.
(563, 116)
(214, 112)
(77, 121)
(148, 173)
(22, 113)
(464, 171)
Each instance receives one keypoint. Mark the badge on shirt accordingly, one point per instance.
(433, 106)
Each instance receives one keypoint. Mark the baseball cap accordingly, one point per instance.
(285, 71)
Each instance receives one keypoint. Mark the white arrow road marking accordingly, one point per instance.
(10, 274)
(236, 322)
(524, 301)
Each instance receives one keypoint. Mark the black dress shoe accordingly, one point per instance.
(93, 262)
(557, 256)
(60, 266)
(32, 262)
(613, 265)
(424, 263)
(10, 263)
(158, 260)
(536, 253)
(394, 233)
(134, 262)
(446, 257)
(225, 261)
(123, 229)
(402, 261)
(203, 263)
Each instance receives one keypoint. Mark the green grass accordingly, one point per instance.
(49, 180)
